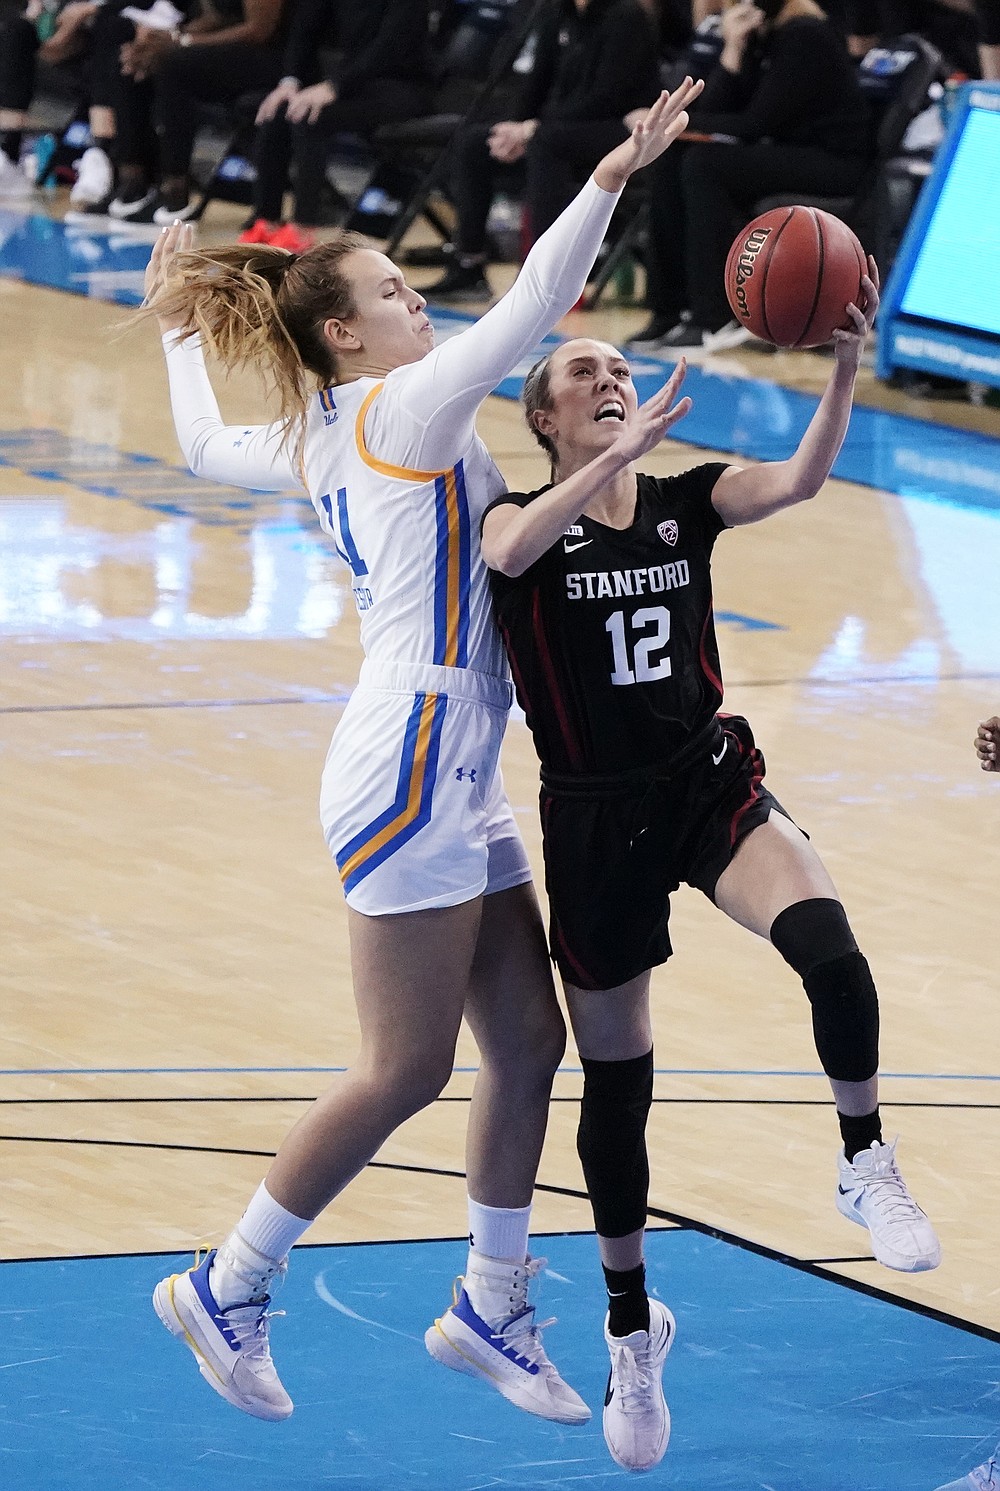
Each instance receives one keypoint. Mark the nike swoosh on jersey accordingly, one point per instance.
(718, 758)
(571, 548)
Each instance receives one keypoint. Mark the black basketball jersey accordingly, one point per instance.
(610, 633)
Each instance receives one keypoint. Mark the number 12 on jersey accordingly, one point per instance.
(643, 669)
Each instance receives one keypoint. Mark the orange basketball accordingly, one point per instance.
(791, 273)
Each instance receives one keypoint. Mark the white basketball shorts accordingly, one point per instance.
(412, 802)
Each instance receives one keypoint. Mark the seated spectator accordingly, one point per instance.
(988, 16)
(949, 25)
(232, 48)
(382, 78)
(34, 37)
(594, 62)
(18, 46)
(785, 98)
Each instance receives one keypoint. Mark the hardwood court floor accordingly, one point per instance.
(174, 969)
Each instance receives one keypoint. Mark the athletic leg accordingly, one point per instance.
(776, 886)
(613, 1034)
(512, 1011)
(411, 975)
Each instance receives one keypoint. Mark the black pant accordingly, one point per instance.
(131, 100)
(18, 48)
(700, 198)
(190, 76)
(560, 156)
(387, 101)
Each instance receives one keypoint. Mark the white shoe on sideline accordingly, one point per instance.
(13, 182)
(636, 1416)
(726, 338)
(95, 179)
(872, 1193)
(983, 1478)
(230, 1346)
(508, 1353)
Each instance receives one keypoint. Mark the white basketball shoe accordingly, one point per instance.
(636, 1416)
(983, 1478)
(230, 1345)
(505, 1349)
(872, 1193)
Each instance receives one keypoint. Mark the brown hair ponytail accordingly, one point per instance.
(264, 307)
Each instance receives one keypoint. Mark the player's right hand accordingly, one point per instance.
(654, 418)
(172, 241)
(987, 744)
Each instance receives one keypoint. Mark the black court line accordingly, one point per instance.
(341, 698)
(678, 1102)
(677, 1220)
(112, 708)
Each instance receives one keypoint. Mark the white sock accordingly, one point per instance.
(499, 1232)
(254, 1251)
(268, 1228)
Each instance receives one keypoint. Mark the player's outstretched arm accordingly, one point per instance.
(252, 456)
(439, 396)
(987, 744)
(515, 537)
(747, 494)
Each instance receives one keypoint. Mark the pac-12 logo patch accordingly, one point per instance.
(668, 531)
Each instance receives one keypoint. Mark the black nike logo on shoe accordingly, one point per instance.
(609, 1392)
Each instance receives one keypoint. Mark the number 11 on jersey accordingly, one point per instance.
(643, 669)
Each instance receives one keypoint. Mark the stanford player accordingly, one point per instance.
(603, 592)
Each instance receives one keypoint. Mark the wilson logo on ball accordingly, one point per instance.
(755, 241)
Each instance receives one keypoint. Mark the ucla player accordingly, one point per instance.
(442, 917)
(604, 598)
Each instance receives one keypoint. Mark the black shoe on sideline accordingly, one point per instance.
(460, 282)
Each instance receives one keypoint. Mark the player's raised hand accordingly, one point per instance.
(173, 241)
(654, 418)
(848, 344)
(652, 135)
(987, 744)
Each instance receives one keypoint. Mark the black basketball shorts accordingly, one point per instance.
(616, 847)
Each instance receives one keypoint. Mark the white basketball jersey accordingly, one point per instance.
(411, 538)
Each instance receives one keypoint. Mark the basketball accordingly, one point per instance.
(790, 274)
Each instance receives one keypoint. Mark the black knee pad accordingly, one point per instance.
(611, 1141)
(815, 938)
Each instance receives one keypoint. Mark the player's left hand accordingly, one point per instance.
(987, 744)
(848, 345)
(662, 125)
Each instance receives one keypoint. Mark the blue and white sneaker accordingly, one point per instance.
(873, 1193)
(231, 1346)
(983, 1478)
(506, 1352)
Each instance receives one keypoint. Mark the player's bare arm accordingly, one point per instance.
(987, 744)
(748, 494)
(515, 537)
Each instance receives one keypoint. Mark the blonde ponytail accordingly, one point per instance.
(263, 307)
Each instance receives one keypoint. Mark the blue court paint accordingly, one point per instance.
(751, 416)
(779, 1380)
